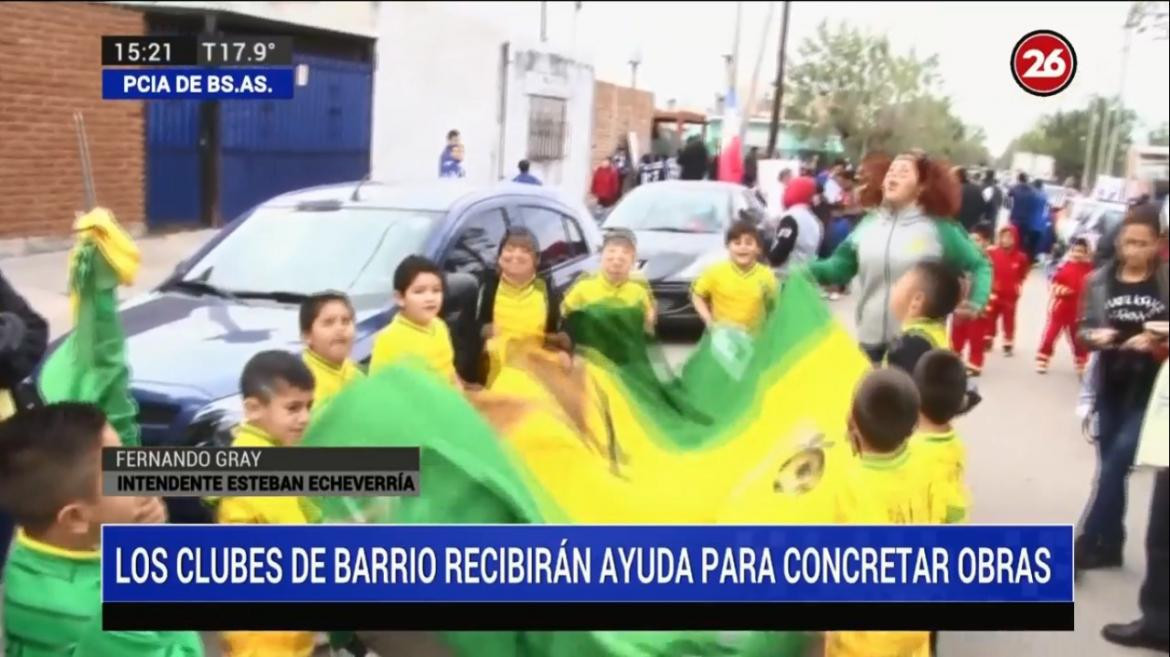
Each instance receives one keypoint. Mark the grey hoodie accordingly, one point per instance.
(886, 245)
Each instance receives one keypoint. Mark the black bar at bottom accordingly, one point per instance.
(209, 617)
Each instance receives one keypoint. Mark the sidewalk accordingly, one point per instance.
(41, 277)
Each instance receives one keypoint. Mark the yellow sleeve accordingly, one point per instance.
(705, 282)
(386, 350)
(447, 351)
(573, 299)
(237, 511)
(770, 283)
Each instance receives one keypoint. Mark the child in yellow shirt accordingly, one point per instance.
(921, 300)
(417, 330)
(278, 394)
(886, 485)
(327, 330)
(941, 378)
(516, 304)
(738, 291)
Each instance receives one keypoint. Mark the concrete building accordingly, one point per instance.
(440, 68)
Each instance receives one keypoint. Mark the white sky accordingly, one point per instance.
(681, 44)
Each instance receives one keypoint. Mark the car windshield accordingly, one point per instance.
(673, 209)
(302, 252)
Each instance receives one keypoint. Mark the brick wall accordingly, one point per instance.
(617, 111)
(51, 54)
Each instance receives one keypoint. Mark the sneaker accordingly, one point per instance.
(834, 296)
(1041, 367)
(1007, 350)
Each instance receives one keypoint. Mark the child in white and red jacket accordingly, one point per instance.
(1065, 289)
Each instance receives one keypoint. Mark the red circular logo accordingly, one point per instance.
(1043, 63)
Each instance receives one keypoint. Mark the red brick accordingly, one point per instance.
(52, 55)
(617, 111)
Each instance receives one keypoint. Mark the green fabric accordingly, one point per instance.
(841, 266)
(475, 475)
(960, 251)
(90, 365)
(52, 608)
(49, 601)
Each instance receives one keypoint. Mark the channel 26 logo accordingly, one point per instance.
(1043, 63)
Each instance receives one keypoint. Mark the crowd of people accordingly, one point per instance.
(934, 279)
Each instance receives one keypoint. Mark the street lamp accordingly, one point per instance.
(634, 62)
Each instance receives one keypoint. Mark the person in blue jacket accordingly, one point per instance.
(1041, 225)
(525, 177)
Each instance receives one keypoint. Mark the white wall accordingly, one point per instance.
(532, 72)
(436, 70)
(359, 18)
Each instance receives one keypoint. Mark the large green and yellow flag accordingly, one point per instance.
(90, 365)
(744, 434)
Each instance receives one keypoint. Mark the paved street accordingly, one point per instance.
(1027, 460)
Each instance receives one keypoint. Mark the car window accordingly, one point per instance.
(578, 246)
(297, 250)
(477, 246)
(673, 209)
(549, 227)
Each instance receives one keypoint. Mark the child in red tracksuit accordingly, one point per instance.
(1066, 288)
(1010, 266)
(971, 333)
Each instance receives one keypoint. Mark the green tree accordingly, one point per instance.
(851, 84)
(1063, 135)
(1160, 136)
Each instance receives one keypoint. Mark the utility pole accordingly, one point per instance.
(750, 107)
(735, 45)
(1095, 109)
(543, 22)
(778, 95)
(635, 62)
(1109, 139)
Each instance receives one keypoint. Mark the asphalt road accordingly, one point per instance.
(1027, 461)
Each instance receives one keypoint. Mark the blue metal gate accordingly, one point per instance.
(174, 188)
(320, 136)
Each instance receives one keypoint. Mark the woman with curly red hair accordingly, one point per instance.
(913, 222)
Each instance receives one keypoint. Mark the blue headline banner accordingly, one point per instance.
(197, 83)
(585, 563)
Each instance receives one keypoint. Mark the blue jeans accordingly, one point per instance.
(1119, 427)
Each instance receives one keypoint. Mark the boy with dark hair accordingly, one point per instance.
(885, 485)
(1009, 267)
(50, 482)
(327, 329)
(942, 386)
(1065, 290)
(969, 333)
(417, 330)
(737, 291)
(921, 301)
(517, 304)
(277, 388)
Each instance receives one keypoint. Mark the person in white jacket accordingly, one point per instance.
(799, 232)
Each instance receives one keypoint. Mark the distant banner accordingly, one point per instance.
(198, 84)
(731, 577)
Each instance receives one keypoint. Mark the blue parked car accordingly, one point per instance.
(188, 339)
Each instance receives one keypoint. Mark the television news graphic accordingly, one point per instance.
(587, 577)
(197, 67)
(1043, 63)
(243, 471)
(193, 50)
